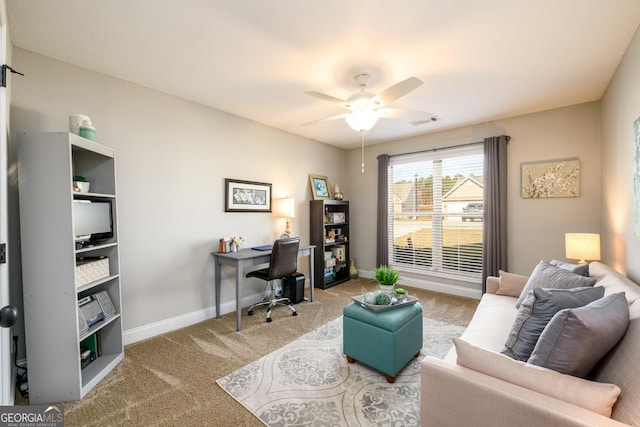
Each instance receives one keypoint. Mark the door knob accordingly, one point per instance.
(8, 316)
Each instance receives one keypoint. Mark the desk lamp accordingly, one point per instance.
(582, 246)
(287, 212)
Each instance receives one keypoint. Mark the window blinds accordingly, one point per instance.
(436, 208)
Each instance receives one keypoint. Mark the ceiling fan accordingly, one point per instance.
(365, 108)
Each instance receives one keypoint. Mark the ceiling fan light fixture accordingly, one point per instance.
(362, 121)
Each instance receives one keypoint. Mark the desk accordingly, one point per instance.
(248, 257)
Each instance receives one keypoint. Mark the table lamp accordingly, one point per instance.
(287, 212)
(582, 246)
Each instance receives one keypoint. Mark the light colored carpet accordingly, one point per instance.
(169, 380)
(309, 382)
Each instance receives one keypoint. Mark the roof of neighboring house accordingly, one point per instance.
(402, 190)
(468, 189)
(395, 199)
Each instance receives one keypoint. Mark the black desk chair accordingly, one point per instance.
(284, 262)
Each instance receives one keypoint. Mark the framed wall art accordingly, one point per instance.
(636, 177)
(319, 187)
(550, 178)
(246, 196)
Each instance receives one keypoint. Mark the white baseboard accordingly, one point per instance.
(444, 288)
(140, 333)
(430, 285)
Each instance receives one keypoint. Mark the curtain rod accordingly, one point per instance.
(442, 148)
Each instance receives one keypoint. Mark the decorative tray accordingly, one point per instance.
(398, 303)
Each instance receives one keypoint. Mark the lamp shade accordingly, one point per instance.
(287, 208)
(582, 246)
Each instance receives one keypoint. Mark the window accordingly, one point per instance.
(436, 208)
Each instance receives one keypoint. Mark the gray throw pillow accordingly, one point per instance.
(581, 269)
(536, 311)
(577, 338)
(549, 276)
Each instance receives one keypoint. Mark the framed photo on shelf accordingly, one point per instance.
(246, 196)
(319, 187)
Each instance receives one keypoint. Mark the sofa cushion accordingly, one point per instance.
(581, 269)
(536, 311)
(546, 275)
(614, 282)
(490, 324)
(511, 284)
(577, 338)
(594, 396)
(621, 366)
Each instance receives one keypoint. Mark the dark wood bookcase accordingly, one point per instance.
(330, 234)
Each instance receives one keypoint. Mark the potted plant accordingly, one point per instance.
(386, 277)
(80, 184)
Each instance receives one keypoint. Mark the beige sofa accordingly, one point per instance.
(494, 390)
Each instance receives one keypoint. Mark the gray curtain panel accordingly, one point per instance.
(382, 250)
(495, 207)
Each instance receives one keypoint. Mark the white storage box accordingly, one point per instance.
(91, 269)
(337, 217)
(327, 254)
(338, 252)
(329, 262)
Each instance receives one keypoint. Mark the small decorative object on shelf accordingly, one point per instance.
(386, 277)
(80, 184)
(337, 194)
(87, 130)
(75, 121)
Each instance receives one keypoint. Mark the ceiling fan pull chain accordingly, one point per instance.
(362, 139)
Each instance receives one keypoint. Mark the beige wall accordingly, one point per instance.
(172, 158)
(620, 107)
(536, 227)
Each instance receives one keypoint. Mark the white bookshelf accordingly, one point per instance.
(47, 163)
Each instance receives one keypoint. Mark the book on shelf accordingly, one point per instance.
(90, 349)
(99, 341)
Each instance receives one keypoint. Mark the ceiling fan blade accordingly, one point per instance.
(326, 119)
(398, 90)
(327, 98)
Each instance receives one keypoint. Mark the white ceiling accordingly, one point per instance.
(479, 60)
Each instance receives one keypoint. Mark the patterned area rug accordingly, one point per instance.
(309, 382)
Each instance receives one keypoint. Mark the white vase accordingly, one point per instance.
(386, 288)
(81, 187)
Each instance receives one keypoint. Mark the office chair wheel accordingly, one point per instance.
(295, 313)
(250, 312)
(268, 319)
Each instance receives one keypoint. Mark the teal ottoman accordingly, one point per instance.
(385, 340)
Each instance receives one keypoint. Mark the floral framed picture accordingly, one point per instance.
(319, 187)
(636, 176)
(550, 178)
(246, 196)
